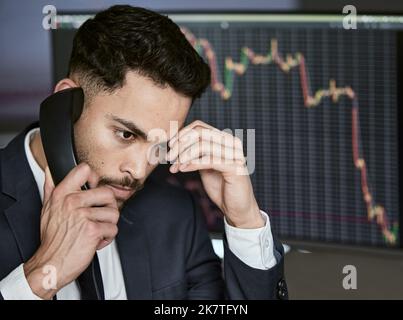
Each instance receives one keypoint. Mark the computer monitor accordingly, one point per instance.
(326, 109)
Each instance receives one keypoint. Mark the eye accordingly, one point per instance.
(125, 136)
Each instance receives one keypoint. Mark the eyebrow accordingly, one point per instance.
(129, 125)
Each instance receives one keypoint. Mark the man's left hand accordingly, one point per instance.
(219, 157)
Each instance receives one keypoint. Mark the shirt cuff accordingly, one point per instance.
(253, 247)
(15, 286)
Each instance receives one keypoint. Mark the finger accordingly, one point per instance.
(108, 231)
(218, 153)
(198, 134)
(49, 185)
(75, 179)
(103, 214)
(103, 243)
(180, 134)
(186, 140)
(234, 167)
(215, 150)
(98, 197)
(188, 128)
(93, 179)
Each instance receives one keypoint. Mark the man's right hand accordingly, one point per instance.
(74, 224)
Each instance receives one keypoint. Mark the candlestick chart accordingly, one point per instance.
(322, 103)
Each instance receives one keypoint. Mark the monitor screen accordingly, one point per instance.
(322, 103)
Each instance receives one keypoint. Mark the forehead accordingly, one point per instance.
(145, 103)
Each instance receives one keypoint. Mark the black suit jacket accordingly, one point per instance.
(164, 246)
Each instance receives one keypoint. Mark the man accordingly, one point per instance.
(146, 240)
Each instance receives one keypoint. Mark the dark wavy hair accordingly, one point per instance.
(125, 38)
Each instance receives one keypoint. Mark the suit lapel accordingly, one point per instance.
(134, 256)
(23, 215)
(24, 220)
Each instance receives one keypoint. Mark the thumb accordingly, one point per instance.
(48, 186)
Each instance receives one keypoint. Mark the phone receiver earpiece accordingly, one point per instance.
(57, 116)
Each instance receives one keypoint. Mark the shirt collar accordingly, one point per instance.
(39, 174)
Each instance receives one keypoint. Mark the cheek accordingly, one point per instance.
(103, 154)
(90, 148)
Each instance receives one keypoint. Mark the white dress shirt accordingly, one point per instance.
(254, 247)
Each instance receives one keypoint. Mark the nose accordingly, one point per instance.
(135, 164)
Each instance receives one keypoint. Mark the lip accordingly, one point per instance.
(121, 192)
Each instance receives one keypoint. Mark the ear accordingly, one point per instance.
(65, 83)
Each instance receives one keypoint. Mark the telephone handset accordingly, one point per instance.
(57, 116)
